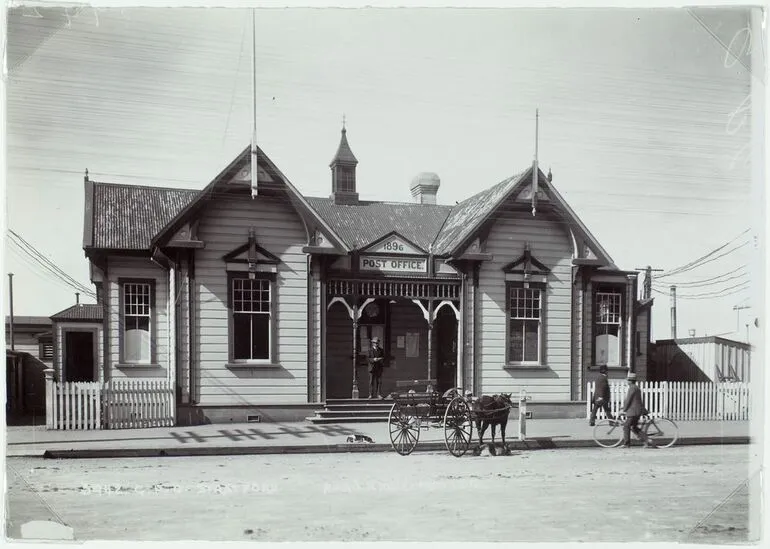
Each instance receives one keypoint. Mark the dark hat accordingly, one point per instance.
(603, 369)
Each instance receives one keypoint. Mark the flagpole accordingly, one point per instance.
(254, 181)
(534, 164)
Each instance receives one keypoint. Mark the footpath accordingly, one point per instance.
(306, 437)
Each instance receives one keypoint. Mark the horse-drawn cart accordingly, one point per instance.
(414, 411)
(451, 411)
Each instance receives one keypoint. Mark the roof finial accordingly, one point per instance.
(550, 175)
(343, 122)
(535, 168)
(86, 176)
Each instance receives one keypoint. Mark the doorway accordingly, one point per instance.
(79, 356)
(445, 343)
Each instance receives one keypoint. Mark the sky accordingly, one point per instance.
(645, 122)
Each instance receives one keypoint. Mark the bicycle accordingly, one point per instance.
(660, 432)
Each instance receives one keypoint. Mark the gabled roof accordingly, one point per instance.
(366, 222)
(468, 215)
(242, 160)
(139, 218)
(127, 217)
(471, 214)
(82, 311)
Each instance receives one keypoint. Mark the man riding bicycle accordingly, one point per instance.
(633, 409)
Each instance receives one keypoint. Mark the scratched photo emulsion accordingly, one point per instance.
(390, 275)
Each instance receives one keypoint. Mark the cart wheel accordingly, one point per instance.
(404, 430)
(458, 427)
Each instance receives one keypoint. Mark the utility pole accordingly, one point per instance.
(673, 312)
(648, 280)
(10, 303)
(738, 309)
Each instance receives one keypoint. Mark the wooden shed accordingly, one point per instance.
(78, 343)
(711, 358)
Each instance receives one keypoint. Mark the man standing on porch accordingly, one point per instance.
(376, 359)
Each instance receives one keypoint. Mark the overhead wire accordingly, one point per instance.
(710, 295)
(713, 281)
(700, 260)
(38, 256)
(37, 270)
(47, 265)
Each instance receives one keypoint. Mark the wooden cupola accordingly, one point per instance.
(344, 173)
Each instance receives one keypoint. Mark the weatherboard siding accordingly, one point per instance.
(224, 227)
(26, 342)
(183, 332)
(588, 330)
(577, 347)
(550, 245)
(136, 268)
(314, 384)
(641, 349)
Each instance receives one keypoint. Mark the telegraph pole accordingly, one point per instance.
(648, 280)
(10, 303)
(738, 309)
(673, 312)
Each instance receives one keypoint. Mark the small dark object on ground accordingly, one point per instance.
(360, 438)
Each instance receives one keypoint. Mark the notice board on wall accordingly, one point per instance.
(412, 344)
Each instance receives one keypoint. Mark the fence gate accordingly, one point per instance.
(132, 404)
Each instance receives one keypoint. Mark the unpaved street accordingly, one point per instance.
(545, 495)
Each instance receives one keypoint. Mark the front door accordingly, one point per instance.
(79, 356)
(445, 343)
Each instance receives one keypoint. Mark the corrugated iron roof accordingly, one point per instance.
(35, 320)
(128, 216)
(81, 311)
(363, 223)
(464, 218)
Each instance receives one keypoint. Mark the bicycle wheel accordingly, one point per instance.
(608, 433)
(662, 432)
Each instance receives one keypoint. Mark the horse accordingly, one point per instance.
(492, 410)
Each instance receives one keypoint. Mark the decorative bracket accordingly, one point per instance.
(446, 303)
(427, 314)
(344, 302)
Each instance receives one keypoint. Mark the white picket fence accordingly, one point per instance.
(116, 404)
(683, 400)
(131, 404)
(74, 405)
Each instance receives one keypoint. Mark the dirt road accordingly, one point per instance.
(680, 494)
